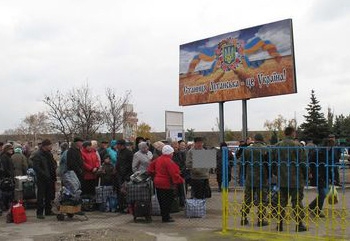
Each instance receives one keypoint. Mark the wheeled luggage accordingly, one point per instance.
(138, 195)
(140, 191)
(28, 188)
(142, 209)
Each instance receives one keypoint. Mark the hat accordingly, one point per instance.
(121, 142)
(158, 145)
(331, 136)
(198, 139)
(258, 137)
(76, 139)
(7, 147)
(86, 143)
(64, 145)
(46, 142)
(303, 143)
(18, 150)
(105, 157)
(167, 150)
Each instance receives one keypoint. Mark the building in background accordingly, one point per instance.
(130, 123)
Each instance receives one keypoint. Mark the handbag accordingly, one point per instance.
(155, 211)
(195, 208)
(18, 213)
(332, 195)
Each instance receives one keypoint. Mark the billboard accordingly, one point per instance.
(249, 63)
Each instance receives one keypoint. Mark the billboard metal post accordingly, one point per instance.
(221, 122)
(244, 120)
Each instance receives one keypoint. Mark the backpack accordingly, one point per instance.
(7, 184)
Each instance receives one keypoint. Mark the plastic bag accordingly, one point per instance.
(332, 195)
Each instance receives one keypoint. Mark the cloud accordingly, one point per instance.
(134, 45)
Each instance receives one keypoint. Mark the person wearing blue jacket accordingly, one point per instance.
(112, 152)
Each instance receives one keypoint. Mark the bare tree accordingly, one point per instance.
(85, 114)
(59, 111)
(35, 124)
(74, 113)
(114, 115)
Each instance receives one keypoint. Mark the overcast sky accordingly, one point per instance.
(134, 45)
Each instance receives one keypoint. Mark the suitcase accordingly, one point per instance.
(138, 191)
(28, 188)
(142, 209)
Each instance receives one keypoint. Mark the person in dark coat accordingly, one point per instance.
(74, 159)
(45, 169)
(123, 171)
(7, 171)
(102, 150)
(318, 177)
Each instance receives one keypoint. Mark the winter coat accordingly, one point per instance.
(44, 166)
(20, 164)
(107, 174)
(75, 161)
(90, 162)
(124, 164)
(166, 172)
(141, 161)
(7, 167)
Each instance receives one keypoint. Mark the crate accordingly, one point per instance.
(69, 209)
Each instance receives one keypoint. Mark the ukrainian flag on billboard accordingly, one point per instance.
(244, 64)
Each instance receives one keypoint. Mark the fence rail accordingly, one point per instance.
(286, 190)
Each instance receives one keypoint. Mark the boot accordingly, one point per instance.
(279, 226)
(300, 228)
(244, 221)
(262, 223)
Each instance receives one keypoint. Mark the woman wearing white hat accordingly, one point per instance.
(166, 175)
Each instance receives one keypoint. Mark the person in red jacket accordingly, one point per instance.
(91, 165)
(166, 175)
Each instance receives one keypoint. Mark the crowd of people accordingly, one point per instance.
(108, 164)
(171, 167)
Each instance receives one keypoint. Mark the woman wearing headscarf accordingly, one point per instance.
(142, 158)
(166, 175)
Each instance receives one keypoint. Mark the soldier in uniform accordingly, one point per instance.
(290, 169)
(256, 181)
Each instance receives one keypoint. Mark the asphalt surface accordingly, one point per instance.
(121, 227)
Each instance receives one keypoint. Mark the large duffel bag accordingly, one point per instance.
(195, 208)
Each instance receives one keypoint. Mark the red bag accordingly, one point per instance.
(19, 213)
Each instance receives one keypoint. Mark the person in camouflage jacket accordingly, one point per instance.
(256, 181)
(289, 165)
